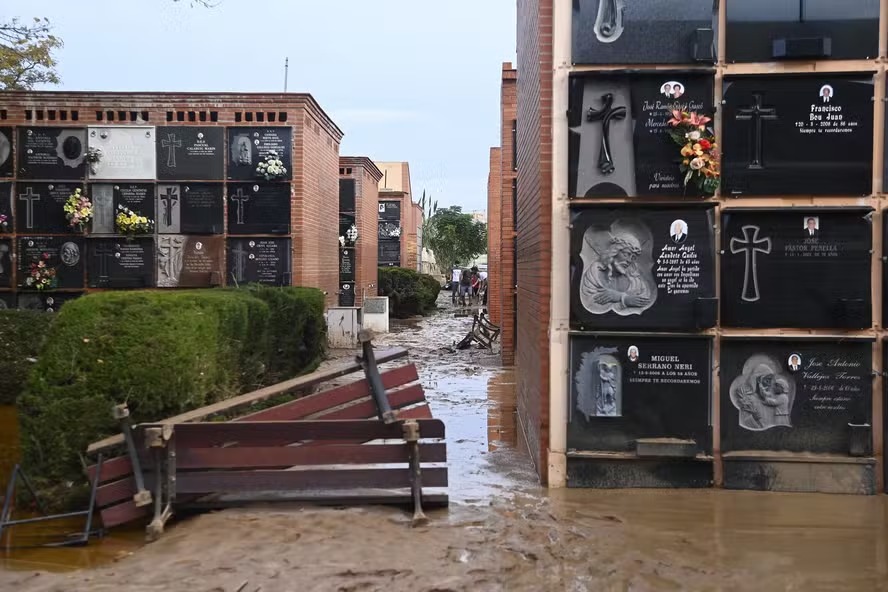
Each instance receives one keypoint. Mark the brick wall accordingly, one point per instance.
(534, 224)
(509, 116)
(494, 237)
(366, 176)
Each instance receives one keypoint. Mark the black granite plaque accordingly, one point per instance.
(190, 208)
(7, 300)
(138, 197)
(40, 207)
(347, 195)
(627, 387)
(118, 263)
(5, 263)
(7, 222)
(389, 230)
(390, 210)
(49, 302)
(619, 132)
(190, 153)
(776, 30)
(347, 294)
(643, 31)
(798, 135)
(803, 268)
(259, 260)
(65, 255)
(794, 395)
(190, 261)
(7, 152)
(258, 209)
(649, 267)
(346, 265)
(52, 153)
(389, 253)
(248, 146)
(346, 221)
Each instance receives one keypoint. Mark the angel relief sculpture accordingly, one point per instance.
(618, 269)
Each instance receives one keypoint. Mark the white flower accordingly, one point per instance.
(697, 164)
(694, 135)
(342, 241)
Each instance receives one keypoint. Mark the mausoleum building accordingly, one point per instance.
(358, 209)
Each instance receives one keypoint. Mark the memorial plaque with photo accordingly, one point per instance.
(628, 387)
(6, 263)
(777, 30)
(259, 260)
(118, 263)
(7, 152)
(248, 146)
(51, 153)
(644, 31)
(190, 261)
(258, 209)
(390, 210)
(801, 268)
(65, 255)
(806, 134)
(7, 221)
(346, 265)
(49, 303)
(795, 395)
(40, 207)
(650, 267)
(347, 294)
(125, 152)
(7, 300)
(347, 195)
(389, 253)
(619, 142)
(193, 208)
(186, 153)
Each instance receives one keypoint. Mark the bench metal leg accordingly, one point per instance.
(142, 496)
(411, 435)
(371, 371)
(163, 454)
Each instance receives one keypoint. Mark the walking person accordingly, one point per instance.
(455, 276)
(465, 286)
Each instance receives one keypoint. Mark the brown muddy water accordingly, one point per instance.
(502, 531)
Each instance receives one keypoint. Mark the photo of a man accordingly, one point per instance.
(633, 353)
(678, 231)
(666, 89)
(795, 362)
(812, 227)
(826, 93)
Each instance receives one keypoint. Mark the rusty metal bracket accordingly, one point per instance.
(159, 439)
(411, 435)
(142, 497)
(371, 371)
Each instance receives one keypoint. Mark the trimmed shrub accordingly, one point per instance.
(410, 293)
(433, 285)
(163, 353)
(22, 333)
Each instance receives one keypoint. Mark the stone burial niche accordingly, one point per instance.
(639, 413)
(797, 268)
(786, 397)
(619, 140)
(643, 267)
(777, 30)
(644, 31)
(805, 134)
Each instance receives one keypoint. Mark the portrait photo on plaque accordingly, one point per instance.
(805, 268)
(797, 395)
(620, 143)
(644, 31)
(799, 134)
(190, 153)
(643, 267)
(122, 152)
(52, 153)
(627, 387)
(62, 260)
(7, 152)
(784, 30)
(254, 153)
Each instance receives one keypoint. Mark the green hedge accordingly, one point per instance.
(163, 353)
(410, 293)
(21, 336)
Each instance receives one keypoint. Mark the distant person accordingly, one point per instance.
(455, 275)
(476, 282)
(465, 286)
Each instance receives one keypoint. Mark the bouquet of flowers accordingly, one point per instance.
(40, 275)
(4, 223)
(78, 210)
(130, 223)
(701, 161)
(271, 168)
(93, 156)
(350, 238)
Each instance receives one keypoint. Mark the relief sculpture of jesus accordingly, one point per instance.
(617, 269)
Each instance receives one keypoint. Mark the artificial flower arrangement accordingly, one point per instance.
(271, 168)
(40, 275)
(78, 210)
(130, 223)
(93, 156)
(701, 161)
(4, 223)
(350, 238)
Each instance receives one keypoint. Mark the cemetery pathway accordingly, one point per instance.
(502, 532)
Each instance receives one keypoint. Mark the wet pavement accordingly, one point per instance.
(502, 531)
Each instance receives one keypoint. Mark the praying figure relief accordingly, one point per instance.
(618, 269)
(763, 394)
(599, 384)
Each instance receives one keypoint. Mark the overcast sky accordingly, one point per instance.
(406, 80)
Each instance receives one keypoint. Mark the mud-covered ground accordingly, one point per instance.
(502, 532)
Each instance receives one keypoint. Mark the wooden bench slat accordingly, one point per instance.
(112, 469)
(367, 409)
(122, 513)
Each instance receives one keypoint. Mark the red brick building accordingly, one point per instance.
(494, 237)
(366, 176)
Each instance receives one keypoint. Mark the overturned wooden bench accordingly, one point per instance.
(329, 447)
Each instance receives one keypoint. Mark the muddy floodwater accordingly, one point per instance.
(502, 532)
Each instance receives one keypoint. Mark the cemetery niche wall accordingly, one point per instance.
(643, 31)
(639, 413)
(619, 131)
(801, 267)
(772, 30)
(650, 267)
(347, 242)
(806, 134)
(389, 245)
